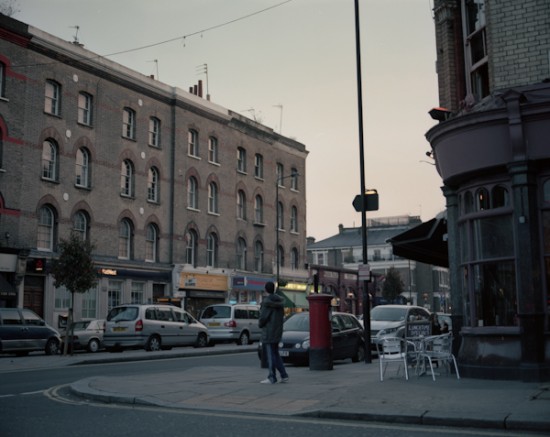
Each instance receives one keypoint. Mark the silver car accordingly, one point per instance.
(391, 320)
(88, 334)
(232, 322)
(152, 327)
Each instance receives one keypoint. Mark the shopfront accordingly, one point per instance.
(198, 290)
(248, 289)
(295, 295)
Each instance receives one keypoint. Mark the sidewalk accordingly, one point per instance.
(349, 391)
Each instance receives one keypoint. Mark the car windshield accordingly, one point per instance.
(121, 314)
(298, 322)
(387, 314)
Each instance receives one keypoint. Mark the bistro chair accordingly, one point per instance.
(438, 349)
(392, 350)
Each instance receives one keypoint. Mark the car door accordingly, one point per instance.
(35, 333)
(254, 316)
(187, 331)
(168, 327)
(338, 337)
(11, 329)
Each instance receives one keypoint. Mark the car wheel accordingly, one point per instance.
(153, 344)
(244, 339)
(93, 345)
(359, 355)
(52, 347)
(202, 340)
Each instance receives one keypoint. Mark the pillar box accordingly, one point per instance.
(320, 332)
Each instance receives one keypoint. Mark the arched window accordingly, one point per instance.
(191, 249)
(129, 123)
(49, 160)
(52, 101)
(81, 225)
(213, 149)
(280, 256)
(468, 202)
(127, 178)
(483, 201)
(154, 132)
(213, 198)
(193, 143)
(241, 254)
(46, 228)
(258, 256)
(258, 209)
(499, 196)
(212, 250)
(294, 219)
(125, 239)
(151, 243)
(82, 168)
(153, 185)
(241, 205)
(192, 193)
(294, 259)
(280, 216)
(85, 108)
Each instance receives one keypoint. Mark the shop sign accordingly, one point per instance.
(7, 262)
(203, 281)
(249, 282)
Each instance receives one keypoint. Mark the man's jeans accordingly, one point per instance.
(274, 361)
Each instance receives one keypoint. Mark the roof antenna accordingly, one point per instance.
(75, 41)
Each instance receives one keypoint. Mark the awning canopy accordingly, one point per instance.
(294, 299)
(426, 243)
(6, 289)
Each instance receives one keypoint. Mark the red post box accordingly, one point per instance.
(320, 332)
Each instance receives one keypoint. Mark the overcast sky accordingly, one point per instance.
(301, 55)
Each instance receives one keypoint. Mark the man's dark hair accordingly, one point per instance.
(270, 287)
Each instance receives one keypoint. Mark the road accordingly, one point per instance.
(38, 403)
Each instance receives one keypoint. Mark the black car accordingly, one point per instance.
(347, 338)
(23, 331)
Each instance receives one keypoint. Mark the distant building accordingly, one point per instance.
(337, 260)
(491, 148)
(176, 192)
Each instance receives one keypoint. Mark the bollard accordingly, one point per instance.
(320, 332)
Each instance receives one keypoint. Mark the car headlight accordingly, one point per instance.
(305, 344)
(388, 331)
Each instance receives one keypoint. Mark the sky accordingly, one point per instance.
(291, 65)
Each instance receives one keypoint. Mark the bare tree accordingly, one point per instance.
(9, 7)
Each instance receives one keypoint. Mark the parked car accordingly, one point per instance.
(152, 327)
(88, 334)
(391, 320)
(23, 331)
(347, 339)
(232, 322)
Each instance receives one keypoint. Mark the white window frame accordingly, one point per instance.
(82, 168)
(52, 98)
(49, 160)
(46, 229)
(151, 243)
(85, 106)
(153, 185)
(154, 132)
(129, 123)
(213, 150)
(193, 143)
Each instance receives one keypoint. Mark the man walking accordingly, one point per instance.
(271, 322)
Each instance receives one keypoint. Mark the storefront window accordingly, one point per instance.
(494, 294)
(492, 238)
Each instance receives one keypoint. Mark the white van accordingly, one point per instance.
(228, 323)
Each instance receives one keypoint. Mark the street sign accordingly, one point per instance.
(363, 271)
(366, 202)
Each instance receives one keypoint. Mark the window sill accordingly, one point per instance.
(259, 224)
(189, 208)
(83, 187)
(198, 158)
(217, 214)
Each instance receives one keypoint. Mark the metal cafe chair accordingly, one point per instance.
(438, 349)
(392, 350)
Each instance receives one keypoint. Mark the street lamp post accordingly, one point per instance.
(280, 178)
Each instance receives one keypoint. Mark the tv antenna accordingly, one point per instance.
(75, 37)
(203, 69)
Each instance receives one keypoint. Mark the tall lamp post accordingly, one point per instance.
(280, 178)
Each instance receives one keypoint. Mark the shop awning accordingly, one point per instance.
(6, 289)
(426, 243)
(294, 299)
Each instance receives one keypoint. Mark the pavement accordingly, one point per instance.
(350, 391)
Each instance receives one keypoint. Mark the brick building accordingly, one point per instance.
(491, 151)
(176, 193)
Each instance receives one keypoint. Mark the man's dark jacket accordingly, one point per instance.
(271, 318)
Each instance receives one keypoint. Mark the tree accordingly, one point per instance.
(9, 8)
(393, 285)
(74, 269)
